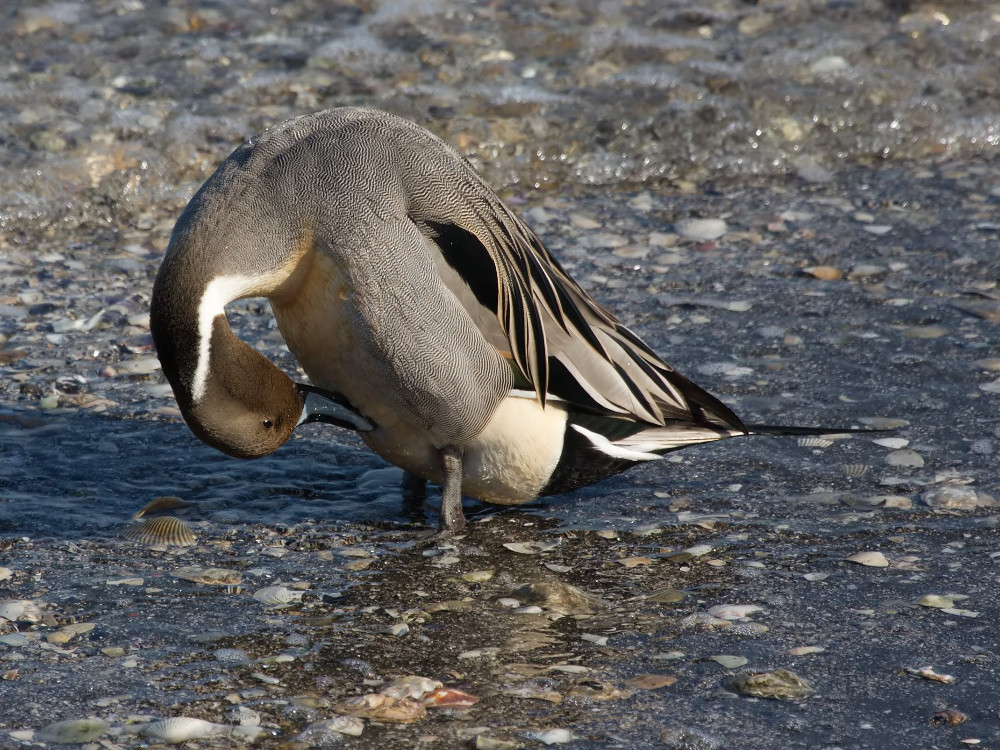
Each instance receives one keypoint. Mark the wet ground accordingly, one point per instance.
(850, 150)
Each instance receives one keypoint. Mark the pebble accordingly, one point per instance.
(829, 64)
(553, 736)
(734, 611)
(701, 229)
(925, 332)
(824, 273)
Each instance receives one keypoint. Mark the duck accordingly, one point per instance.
(428, 317)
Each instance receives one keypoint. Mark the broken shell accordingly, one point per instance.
(324, 733)
(161, 504)
(73, 731)
(950, 717)
(382, 708)
(209, 576)
(733, 611)
(181, 729)
(558, 596)
(449, 698)
(854, 471)
(928, 673)
(276, 595)
(936, 601)
(553, 736)
(411, 686)
(161, 530)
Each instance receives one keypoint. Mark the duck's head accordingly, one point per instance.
(231, 396)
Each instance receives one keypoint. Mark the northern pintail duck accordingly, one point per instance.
(428, 316)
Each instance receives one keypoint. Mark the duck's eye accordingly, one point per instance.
(268, 424)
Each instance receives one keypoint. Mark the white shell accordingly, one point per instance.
(276, 595)
(181, 729)
(73, 731)
(412, 686)
(733, 611)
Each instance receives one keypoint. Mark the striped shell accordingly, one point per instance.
(181, 729)
(815, 441)
(160, 504)
(856, 470)
(161, 530)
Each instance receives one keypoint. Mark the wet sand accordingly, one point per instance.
(847, 289)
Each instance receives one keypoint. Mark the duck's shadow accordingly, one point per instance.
(75, 476)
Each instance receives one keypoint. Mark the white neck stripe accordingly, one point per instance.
(220, 292)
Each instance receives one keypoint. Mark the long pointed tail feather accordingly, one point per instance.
(787, 430)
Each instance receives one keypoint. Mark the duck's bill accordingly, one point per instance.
(330, 408)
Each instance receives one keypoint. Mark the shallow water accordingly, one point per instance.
(858, 136)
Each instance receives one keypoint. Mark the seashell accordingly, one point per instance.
(815, 441)
(531, 548)
(733, 611)
(73, 731)
(161, 504)
(181, 729)
(166, 530)
(856, 470)
(411, 686)
(325, 733)
(553, 736)
(276, 595)
(382, 708)
(871, 559)
(13, 609)
(449, 698)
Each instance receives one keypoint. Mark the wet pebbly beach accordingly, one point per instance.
(797, 204)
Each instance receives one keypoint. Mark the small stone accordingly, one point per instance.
(824, 273)
(781, 684)
(829, 64)
(925, 332)
(701, 229)
(805, 650)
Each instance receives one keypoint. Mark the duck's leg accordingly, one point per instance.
(452, 518)
(414, 490)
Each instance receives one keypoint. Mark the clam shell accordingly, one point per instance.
(181, 729)
(72, 732)
(161, 504)
(161, 530)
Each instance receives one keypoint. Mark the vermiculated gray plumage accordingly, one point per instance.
(404, 285)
